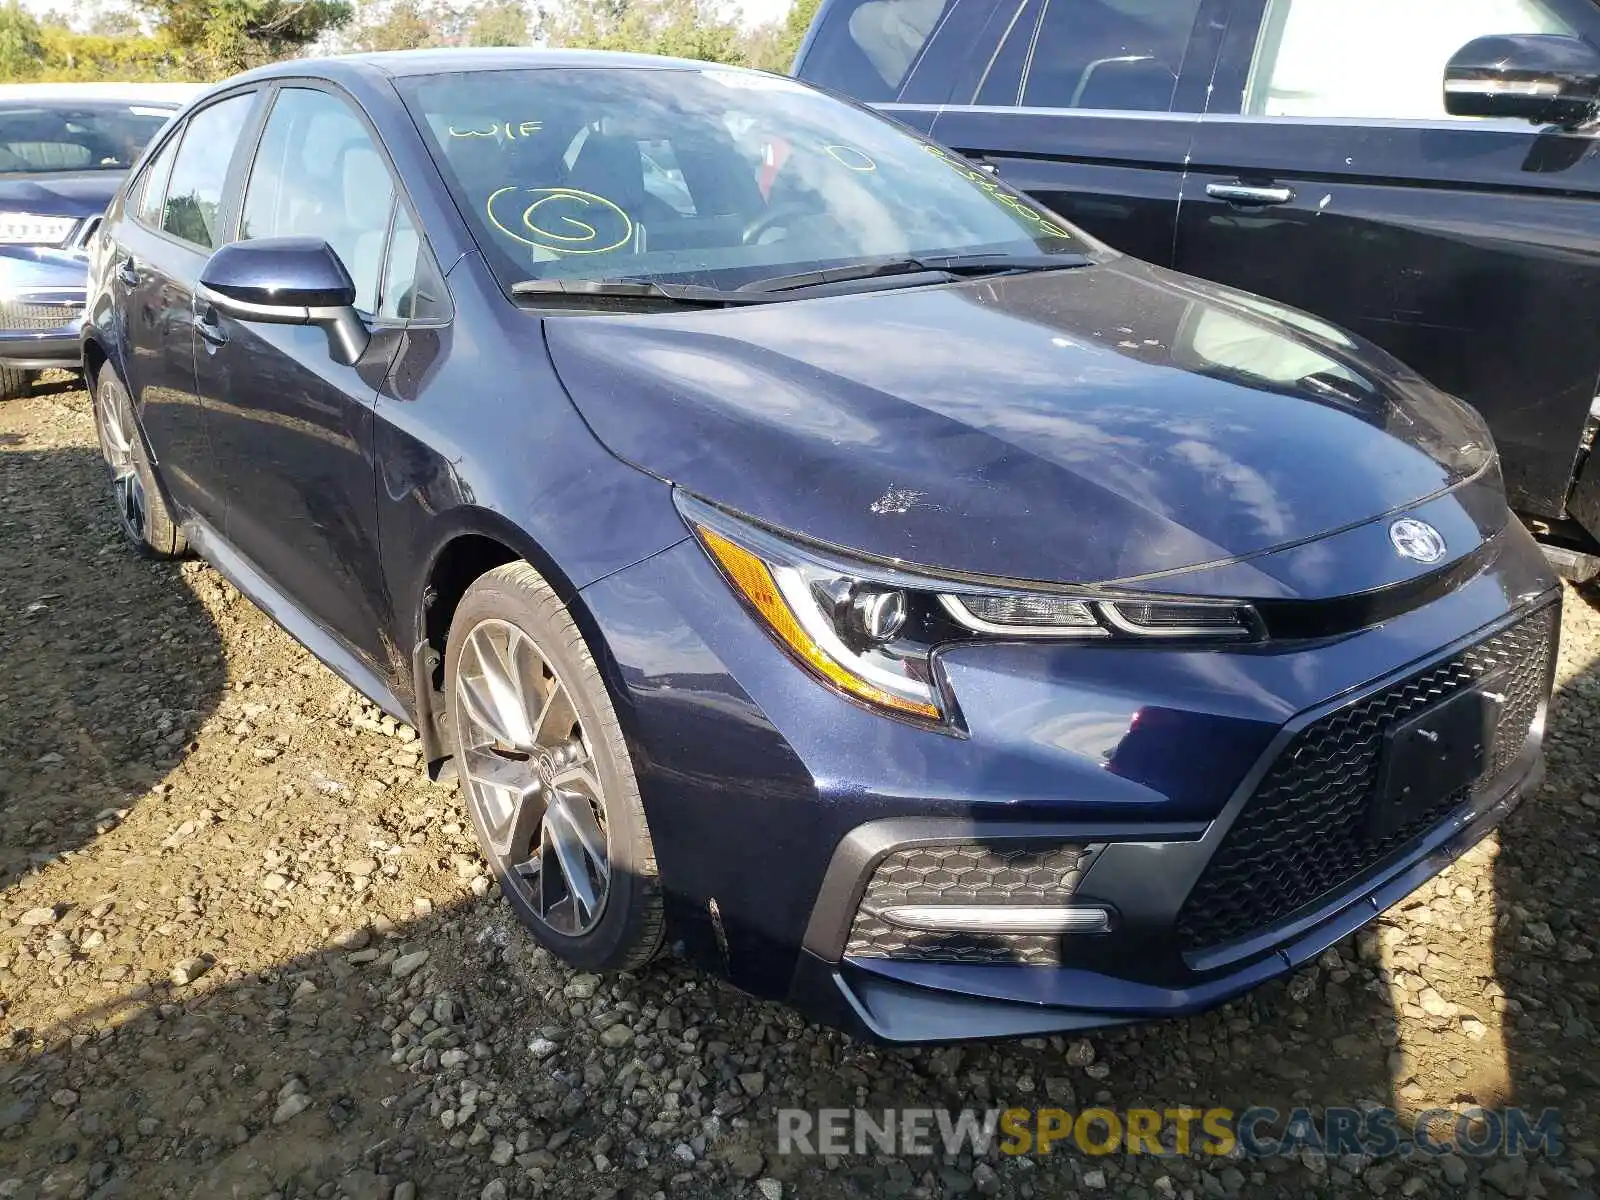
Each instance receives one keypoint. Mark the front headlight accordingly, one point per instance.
(869, 629)
(26, 229)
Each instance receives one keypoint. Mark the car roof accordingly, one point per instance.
(396, 63)
(172, 94)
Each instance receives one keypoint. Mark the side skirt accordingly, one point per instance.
(256, 588)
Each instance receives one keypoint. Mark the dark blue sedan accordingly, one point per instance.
(809, 552)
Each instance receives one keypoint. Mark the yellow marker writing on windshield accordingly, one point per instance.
(563, 220)
(850, 158)
(510, 129)
(1002, 198)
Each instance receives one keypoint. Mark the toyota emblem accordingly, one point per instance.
(1417, 540)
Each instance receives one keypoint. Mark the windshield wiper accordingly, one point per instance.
(962, 265)
(681, 293)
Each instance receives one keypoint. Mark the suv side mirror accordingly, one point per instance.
(287, 281)
(1544, 78)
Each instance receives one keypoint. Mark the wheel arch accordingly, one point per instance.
(477, 542)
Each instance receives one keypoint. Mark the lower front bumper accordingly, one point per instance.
(59, 349)
(917, 1002)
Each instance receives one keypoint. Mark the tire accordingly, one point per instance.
(562, 787)
(142, 512)
(15, 380)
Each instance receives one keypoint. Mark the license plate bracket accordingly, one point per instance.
(1434, 754)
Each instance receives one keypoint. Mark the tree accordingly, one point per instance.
(20, 50)
(795, 25)
(397, 25)
(682, 28)
(500, 23)
(220, 37)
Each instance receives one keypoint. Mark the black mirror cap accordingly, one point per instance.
(289, 272)
(1545, 78)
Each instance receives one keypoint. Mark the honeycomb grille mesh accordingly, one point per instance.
(16, 315)
(1303, 833)
(966, 873)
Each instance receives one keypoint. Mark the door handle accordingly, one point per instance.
(206, 326)
(128, 272)
(1245, 193)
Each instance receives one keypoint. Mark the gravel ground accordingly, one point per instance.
(246, 949)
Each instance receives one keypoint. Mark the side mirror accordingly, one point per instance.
(287, 281)
(1544, 78)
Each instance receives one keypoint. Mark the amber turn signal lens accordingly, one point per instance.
(755, 583)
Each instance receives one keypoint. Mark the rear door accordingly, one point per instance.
(164, 239)
(1326, 174)
(1089, 106)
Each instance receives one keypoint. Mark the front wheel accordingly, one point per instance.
(142, 514)
(546, 776)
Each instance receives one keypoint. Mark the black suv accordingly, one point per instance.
(1422, 174)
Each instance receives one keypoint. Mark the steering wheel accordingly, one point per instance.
(773, 218)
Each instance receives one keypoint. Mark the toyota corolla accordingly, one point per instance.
(808, 553)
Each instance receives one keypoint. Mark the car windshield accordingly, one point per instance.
(51, 137)
(711, 176)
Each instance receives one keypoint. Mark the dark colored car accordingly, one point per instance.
(64, 150)
(1312, 151)
(837, 567)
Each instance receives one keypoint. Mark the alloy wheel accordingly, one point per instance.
(531, 778)
(117, 445)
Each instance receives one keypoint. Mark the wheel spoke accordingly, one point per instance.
(578, 812)
(514, 821)
(556, 718)
(561, 841)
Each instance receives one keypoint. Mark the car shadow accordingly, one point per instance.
(112, 662)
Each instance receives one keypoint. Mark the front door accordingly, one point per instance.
(290, 427)
(1326, 174)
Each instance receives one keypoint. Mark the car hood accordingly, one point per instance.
(84, 194)
(1085, 425)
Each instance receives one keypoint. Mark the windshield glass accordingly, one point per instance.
(712, 176)
(48, 137)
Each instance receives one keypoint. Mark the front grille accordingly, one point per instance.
(1019, 872)
(1303, 834)
(16, 315)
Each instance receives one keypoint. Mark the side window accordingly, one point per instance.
(1113, 54)
(152, 191)
(1373, 58)
(319, 174)
(866, 48)
(194, 192)
(412, 289)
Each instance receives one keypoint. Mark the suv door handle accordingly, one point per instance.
(128, 271)
(205, 324)
(1245, 193)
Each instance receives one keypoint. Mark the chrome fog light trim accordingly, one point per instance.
(999, 918)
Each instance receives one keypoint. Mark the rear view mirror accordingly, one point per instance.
(287, 281)
(1544, 78)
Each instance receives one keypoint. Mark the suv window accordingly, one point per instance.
(194, 193)
(319, 174)
(866, 48)
(1117, 54)
(1323, 58)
